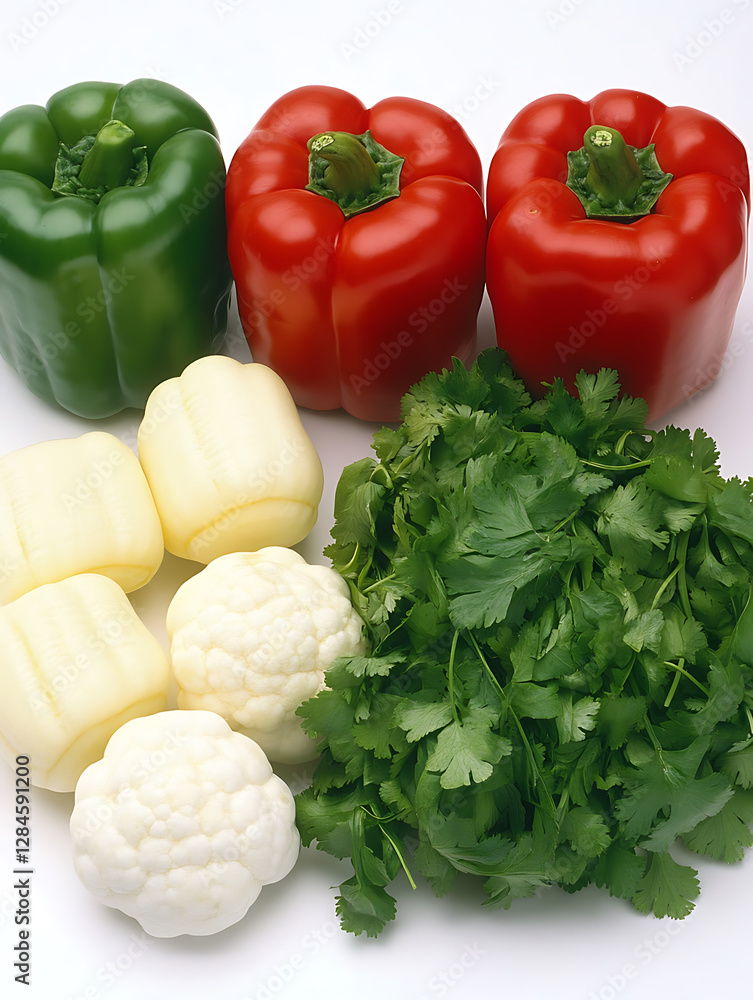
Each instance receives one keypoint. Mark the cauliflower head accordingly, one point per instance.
(182, 823)
(251, 637)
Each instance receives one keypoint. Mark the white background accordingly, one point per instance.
(483, 61)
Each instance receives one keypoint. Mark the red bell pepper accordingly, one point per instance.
(356, 239)
(596, 258)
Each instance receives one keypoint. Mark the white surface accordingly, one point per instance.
(482, 60)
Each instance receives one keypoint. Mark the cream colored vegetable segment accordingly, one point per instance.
(251, 637)
(182, 823)
(76, 663)
(228, 460)
(76, 505)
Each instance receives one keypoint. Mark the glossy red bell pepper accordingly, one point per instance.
(356, 239)
(596, 258)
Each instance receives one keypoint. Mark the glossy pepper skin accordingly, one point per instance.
(654, 298)
(101, 301)
(352, 311)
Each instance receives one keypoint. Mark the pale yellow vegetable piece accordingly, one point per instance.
(76, 505)
(77, 662)
(229, 463)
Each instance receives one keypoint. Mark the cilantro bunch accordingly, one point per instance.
(560, 677)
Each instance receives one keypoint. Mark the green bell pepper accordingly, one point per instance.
(113, 255)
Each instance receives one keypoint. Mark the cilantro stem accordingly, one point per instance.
(365, 570)
(673, 688)
(681, 670)
(652, 735)
(393, 843)
(488, 669)
(750, 720)
(451, 676)
(538, 781)
(618, 448)
(353, 559)
(378, 583)
(682, 579)
(618, 468)
(664, 585)
(563, 522)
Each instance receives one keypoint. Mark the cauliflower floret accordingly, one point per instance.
(182, 823)
(251, 637)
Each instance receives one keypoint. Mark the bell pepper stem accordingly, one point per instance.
(350, 171)
(614, 174)
(354, 171)
(109, 161)
(613, 180)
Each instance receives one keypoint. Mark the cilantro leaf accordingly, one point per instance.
(586, 831)
(737, 764)
(666, 785)
(620, 716)
(420, 718)
(512, 869)
(363, 907)
(465, 751)
(725, 835)
(357, 501)
(667, 888)
(620, 870)
(629, 519)
(535, 701)
(575, 717)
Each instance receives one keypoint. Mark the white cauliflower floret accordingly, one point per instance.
(182, 823)
(251, 637)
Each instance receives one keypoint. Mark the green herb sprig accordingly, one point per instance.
(560, 678)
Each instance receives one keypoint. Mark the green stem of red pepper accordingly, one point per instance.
(354, 171)
(109, 161)
(612, 179)
(614, 174)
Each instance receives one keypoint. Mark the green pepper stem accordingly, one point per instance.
(613, 175)
(350, 171)
(109, 161)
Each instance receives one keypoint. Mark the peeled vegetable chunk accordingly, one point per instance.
(251, 637)
(228, 461)
(77, 662)
(76, 505)
(182, 823)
